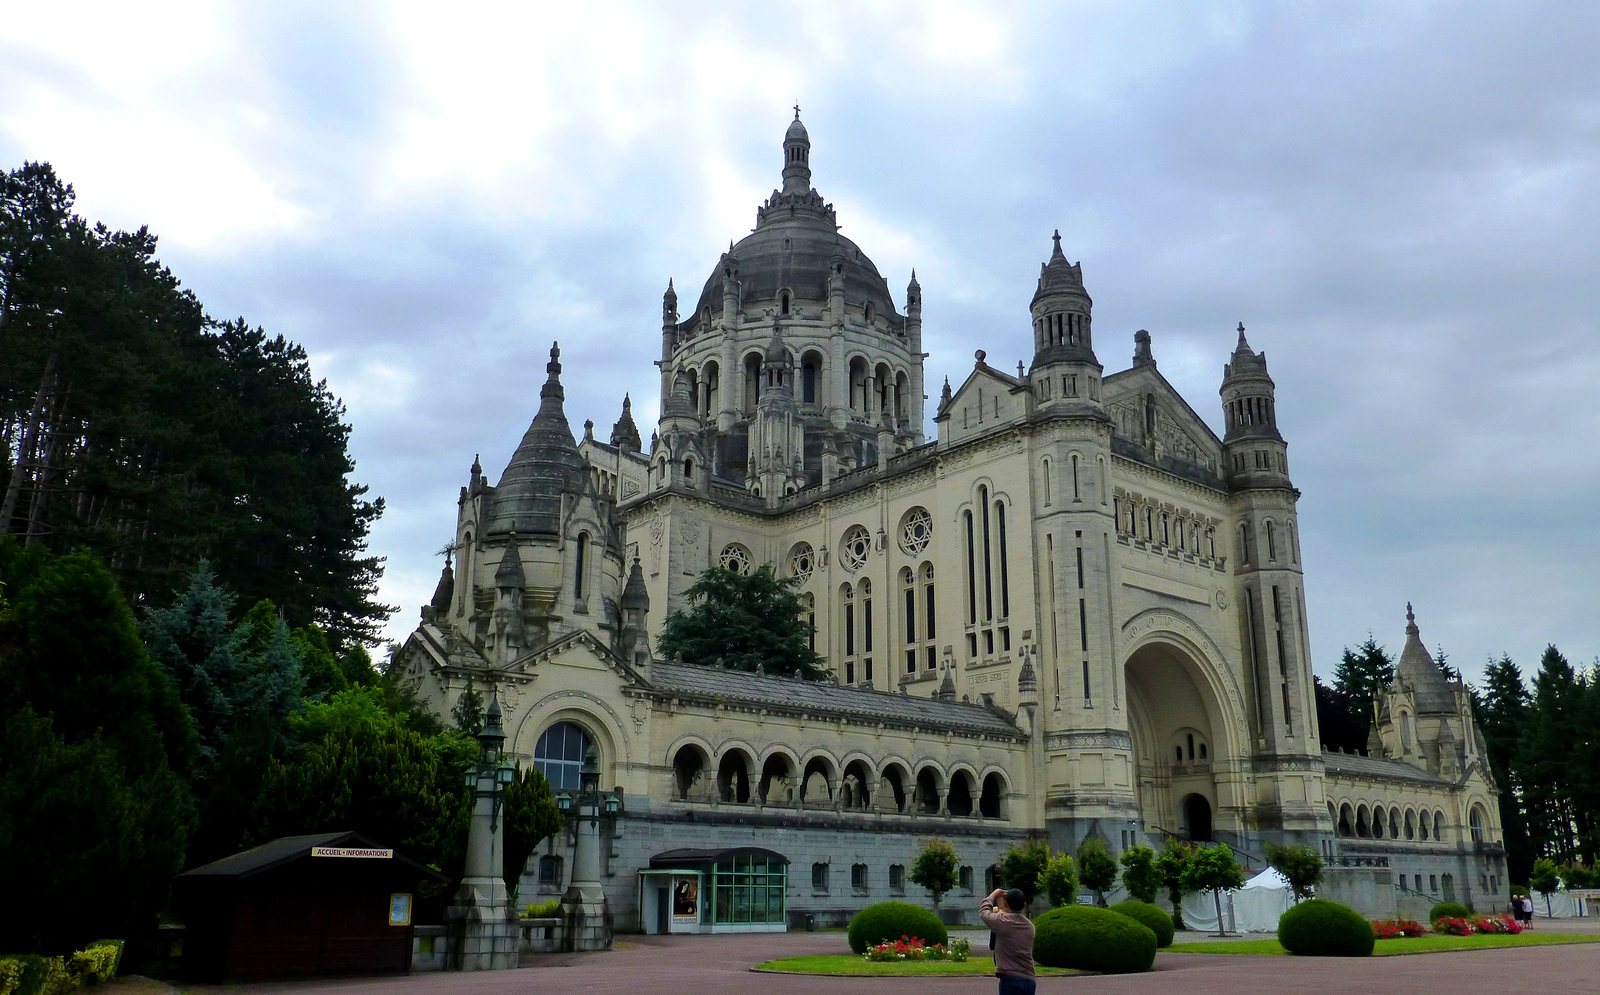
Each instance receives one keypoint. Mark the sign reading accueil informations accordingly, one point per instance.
(360, 853)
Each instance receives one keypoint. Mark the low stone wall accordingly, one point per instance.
(430, 948)
(541, 936)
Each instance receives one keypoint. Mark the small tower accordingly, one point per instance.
(669, 335)
(509, 581)
(625, 434)
(1065, 370)
(796, 157)
(1254, 454)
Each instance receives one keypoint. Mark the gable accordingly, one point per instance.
(1149, 413)
(987, 400)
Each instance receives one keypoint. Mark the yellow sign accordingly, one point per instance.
(365, 853)
(399, 909)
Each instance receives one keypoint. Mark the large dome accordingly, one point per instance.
(793, 248)
(795, 255)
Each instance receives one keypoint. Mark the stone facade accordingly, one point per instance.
(1077, 611)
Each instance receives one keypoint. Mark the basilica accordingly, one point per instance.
(1076, 610)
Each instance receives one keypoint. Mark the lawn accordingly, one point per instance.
(850, 965)
(1432, 943)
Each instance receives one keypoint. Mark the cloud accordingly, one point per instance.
(1396, 200)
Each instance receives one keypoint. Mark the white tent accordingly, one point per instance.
(1261, 901)
(1255, 908)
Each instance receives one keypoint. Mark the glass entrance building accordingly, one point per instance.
(732, 890)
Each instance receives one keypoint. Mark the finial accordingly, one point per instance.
(1057, 239)
(980, 356)
(797, 110)
(1411, 616)
(627, 402)
(1020, 374)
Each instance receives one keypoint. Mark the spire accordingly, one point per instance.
(634, 595)
(509, 574)
(1056, 253)
(796, 157)
(625, 434)
(669, 303)
(545, 465)
(443, 594)
(1416, 669)
(1243, 348)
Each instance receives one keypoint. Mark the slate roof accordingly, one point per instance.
(1359, 766)
(287, 848)
(818, 696)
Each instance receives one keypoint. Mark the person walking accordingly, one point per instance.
(1012, 940)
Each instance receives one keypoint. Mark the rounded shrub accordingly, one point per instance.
(1159, 920)
(1448, 910)
(1319, 928)
(1091, 939)
(888, 921)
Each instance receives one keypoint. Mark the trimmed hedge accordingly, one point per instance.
(1319, 928)
(892, 920)
(1091, 939)
(1448, 910)
(1159, 920)
(31, 974)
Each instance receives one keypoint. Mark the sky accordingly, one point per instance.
(1400, 201)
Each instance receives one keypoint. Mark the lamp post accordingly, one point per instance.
(584, 902)
(487, 936)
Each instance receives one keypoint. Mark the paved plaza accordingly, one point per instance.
(707, 965)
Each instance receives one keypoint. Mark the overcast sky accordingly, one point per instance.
(1399, 200)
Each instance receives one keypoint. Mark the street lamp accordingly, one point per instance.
(492, 765)
(585, 900)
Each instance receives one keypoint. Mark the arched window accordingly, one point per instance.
(1272, 544)
(688, 470)
(558, 755)
(783, 303)
(580, 563)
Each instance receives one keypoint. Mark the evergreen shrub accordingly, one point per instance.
(1091, 939)
(889, 921)
(1448, 910)
(1158, 919)
(1319, 928)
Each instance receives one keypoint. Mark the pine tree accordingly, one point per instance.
(748, 622)
(1547, 748)
(1502, 710)
(1362, 676)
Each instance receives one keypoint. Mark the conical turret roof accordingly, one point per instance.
(1417, 670)
(546, 464)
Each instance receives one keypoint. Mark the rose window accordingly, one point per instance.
(736, 558)
(802, 559)
(916, 528)
(854, 547)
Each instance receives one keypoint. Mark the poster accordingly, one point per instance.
(686, 900)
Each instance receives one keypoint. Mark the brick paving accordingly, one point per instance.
(711, 965)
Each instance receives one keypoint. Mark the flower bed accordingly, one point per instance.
(912, 948)
(1458, 926)
(1388, 929)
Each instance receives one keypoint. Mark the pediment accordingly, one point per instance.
(1148, 411)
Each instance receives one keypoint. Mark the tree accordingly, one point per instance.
(1552, 767)
(1546, 880)
(95, 814)
(1022, 864)
(1140, 873)
(1213, 869)
(1097, 867)
(468, 711)
(751, 622)
(1338, 720)
(1301, 866)
(133, 425)
(1362, 675)
(935, 867)
(1059, 881)
(531, 817)
(1502, 711)
(1172, 863)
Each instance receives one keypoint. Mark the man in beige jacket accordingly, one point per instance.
(1001, 911)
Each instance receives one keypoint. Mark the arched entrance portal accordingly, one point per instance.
(1197, 818)
(1180, 736)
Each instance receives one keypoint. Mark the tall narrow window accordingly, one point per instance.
(1044, 476)
(580, 563)
(1272, 544)
(1005, 576)
(1075, 495)
(972, 572)
(988, 556)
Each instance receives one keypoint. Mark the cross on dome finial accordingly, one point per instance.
(1410, 615)
(797, 110)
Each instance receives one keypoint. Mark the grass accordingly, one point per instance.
(1432, 943)
(849, 965)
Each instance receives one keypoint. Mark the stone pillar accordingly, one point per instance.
(480, 915)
